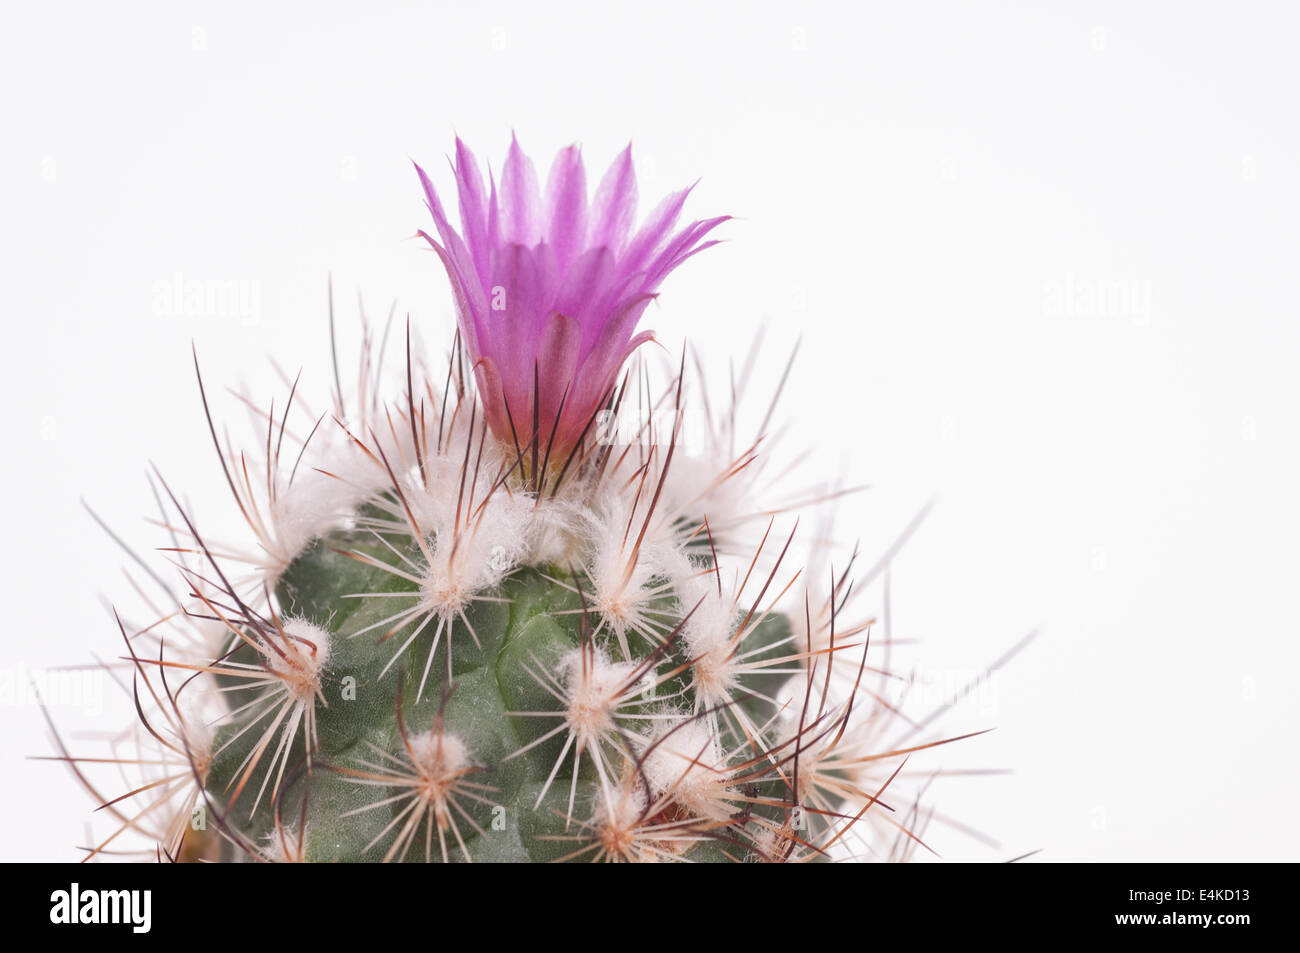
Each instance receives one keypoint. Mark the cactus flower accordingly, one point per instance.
(550, 286)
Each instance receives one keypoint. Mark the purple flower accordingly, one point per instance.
(549, 286)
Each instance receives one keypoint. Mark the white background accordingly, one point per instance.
(928, 194)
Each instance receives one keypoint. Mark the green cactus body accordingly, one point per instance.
(504, 697)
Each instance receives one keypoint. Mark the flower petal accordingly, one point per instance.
(600, 366)
(451, 240)
(566, 206)
(653, 233)
(512, 323)
(614, 210)
(473, 207)
(521, 210)
(681, 248)
(583, 294)
(557, 363)
(469, 298)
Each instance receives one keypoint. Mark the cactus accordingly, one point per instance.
(482, 618)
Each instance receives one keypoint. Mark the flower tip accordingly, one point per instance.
(464, 157)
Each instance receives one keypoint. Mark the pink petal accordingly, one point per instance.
(681, 248)
(473, 208)
(511, 334)
(566, 205)
(557, 361)
(652, 234)
(494, 397)
(601, 364)
(614, 210)
(468, 304)
(584, 288)
(595, 388)
(521, 208)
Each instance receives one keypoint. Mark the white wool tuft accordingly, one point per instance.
(593, 690)
(558, 533)
(308, 508)
(626, 582)
(470, 560)
(708, 635)
(306, 650)
(685, 762)
(439, 756)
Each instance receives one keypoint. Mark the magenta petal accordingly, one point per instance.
(512, 323)
(608, 352)
(682, 258)
(494, 399)
(557, 361)
(450, 237)
(557, 353)
(681, 248)
(494, 215)
(521, 209)
(467, 319)
(566, 205)
(595, 388)
(614, 210)
(653, 233)
(473, 208)
(453, 247)
(581, 296)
